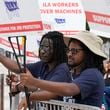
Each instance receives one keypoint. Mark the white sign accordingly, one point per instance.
(66, 16)
(98, 16)
(18, 16)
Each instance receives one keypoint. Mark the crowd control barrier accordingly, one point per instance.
(60, 105)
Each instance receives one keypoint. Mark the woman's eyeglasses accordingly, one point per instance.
(73, 50)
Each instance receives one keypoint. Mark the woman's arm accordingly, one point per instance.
(9, 63)
(36, 96)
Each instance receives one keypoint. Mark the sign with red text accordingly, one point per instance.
(66, 16)
(98, 16)
(18, 16)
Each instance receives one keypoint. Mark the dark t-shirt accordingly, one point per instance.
(59, 74)
(40, 70)
(91, 84)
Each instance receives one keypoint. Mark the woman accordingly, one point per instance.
(52, 66)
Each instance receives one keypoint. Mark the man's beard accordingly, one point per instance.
(72, 66)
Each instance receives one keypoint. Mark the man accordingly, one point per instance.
(85, 59)
(51, 67)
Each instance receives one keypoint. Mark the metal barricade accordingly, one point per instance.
(1, 91)
(60, 105)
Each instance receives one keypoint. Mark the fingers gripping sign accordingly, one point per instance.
(27, 78)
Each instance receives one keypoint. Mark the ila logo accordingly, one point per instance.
(11, 8)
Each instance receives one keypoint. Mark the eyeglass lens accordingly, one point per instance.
(73, 50)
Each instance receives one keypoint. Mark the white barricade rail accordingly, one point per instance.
(60, 105)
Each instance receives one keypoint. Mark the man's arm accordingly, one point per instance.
(42, 95)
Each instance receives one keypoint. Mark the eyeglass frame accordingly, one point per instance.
(73, 50)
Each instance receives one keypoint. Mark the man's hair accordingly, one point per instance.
(59, 47)
(91, 60)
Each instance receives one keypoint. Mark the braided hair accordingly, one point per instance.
(59, 47)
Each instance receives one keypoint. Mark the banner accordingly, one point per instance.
(98, 16)
(19, 16)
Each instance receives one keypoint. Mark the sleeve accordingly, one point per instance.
(34, 68)
(87, 82)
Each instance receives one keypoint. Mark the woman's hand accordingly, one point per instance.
(23, 104)
(27, 79)
(13, 81)
(11, 78)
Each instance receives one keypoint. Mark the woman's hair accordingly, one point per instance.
(59, 47)
(91, 60)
